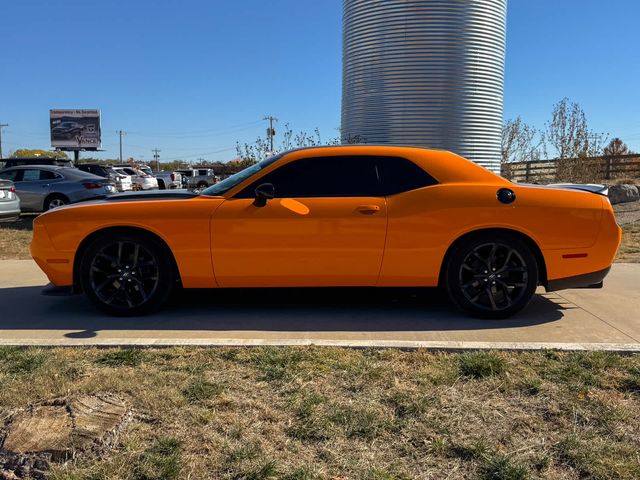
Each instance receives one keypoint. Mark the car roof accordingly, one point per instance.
(44, 167)
(445, 166)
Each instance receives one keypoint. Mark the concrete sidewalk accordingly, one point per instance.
(607, 319)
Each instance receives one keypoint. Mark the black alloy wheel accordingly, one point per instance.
(127, 274)
(492, 276)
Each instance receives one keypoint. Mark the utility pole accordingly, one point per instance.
(270, 131)
(156, 156)
(121, 133)
(2, 125)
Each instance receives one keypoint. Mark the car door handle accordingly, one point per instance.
(46, 185)
(368, 209)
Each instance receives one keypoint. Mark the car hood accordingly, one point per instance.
(148, 195)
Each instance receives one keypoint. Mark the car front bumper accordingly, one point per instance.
(57, 265)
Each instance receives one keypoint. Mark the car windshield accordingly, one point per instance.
(228, 183)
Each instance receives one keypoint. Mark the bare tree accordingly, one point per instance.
(569, 134)
(616, 147)
(259, 150)
(521, 142)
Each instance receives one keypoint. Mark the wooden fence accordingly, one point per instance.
(609, 167)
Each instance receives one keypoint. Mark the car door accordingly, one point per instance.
(32, 187)
(326, 226)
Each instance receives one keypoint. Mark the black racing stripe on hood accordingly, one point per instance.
(153, 195)
(140, 197)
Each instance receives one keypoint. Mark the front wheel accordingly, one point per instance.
(127, 274)
(492, 275)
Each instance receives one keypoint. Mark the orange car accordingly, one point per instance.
(346, 216)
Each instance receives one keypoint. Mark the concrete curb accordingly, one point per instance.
(410, 345)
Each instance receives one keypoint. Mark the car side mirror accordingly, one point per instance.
(264, 192)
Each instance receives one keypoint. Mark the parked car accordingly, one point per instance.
(197, 178)
(140, 179)
(168, 180)
(16, 162)
(122, 182)
(9, 201)
(44, 187)
(344, 216)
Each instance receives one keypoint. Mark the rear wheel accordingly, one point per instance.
(127, 274)
(55, 201)
(492, 275)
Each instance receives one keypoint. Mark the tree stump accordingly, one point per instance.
(60, 429)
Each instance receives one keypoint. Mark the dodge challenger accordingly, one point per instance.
(345, 216)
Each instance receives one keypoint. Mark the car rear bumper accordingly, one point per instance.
(585, 280)
(584, 267)
(9, 216)
(9, 210)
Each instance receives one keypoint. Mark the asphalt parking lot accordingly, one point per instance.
(607, 319)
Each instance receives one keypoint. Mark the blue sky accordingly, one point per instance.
(192, 77)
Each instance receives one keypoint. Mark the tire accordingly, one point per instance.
(161, 185)
(55, 201)
(202, 185)
(492, 275)
(127, 274)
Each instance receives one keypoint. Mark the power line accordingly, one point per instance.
(2, 125)
(204, 154)
(199, 133)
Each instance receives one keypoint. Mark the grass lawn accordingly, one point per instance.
(330, 413)
(15, 238)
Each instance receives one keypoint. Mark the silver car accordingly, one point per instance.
(43, 187)
(9, 202)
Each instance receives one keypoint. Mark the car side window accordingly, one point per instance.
(342, 176)
(47, 175)
(30, 175)
(10, 175)
(401, 175)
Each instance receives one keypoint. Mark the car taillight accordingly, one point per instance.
(173, 177)
(92, 185)
(12, 189)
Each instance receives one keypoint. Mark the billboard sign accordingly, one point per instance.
(75, 129)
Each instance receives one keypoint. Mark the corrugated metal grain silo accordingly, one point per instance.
(425, 72)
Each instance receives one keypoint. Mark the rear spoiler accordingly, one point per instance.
(585, 187)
